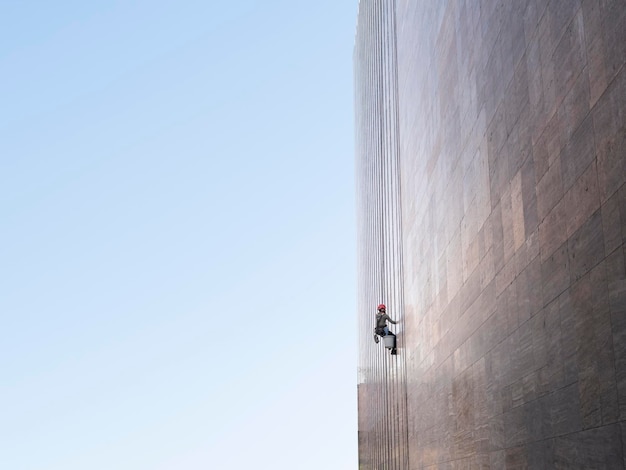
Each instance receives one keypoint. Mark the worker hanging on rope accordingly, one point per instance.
(381, 328)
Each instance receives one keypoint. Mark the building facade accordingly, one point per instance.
(491, 162)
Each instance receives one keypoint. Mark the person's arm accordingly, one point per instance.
(390, 320)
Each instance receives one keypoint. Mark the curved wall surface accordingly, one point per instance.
(491, 162)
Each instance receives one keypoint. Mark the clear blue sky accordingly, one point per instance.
(177, 235)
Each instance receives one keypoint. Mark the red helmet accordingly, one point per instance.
(382, 307)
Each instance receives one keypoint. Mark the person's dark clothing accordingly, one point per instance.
(382, 319)
(381, 324)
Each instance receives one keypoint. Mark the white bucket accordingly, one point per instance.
(390, 341)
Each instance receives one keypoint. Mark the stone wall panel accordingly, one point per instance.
(491, 170)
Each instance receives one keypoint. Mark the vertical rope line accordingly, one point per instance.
(399, 248)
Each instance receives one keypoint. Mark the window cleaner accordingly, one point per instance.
(382, 329)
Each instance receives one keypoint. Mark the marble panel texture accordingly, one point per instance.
(491, 208)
